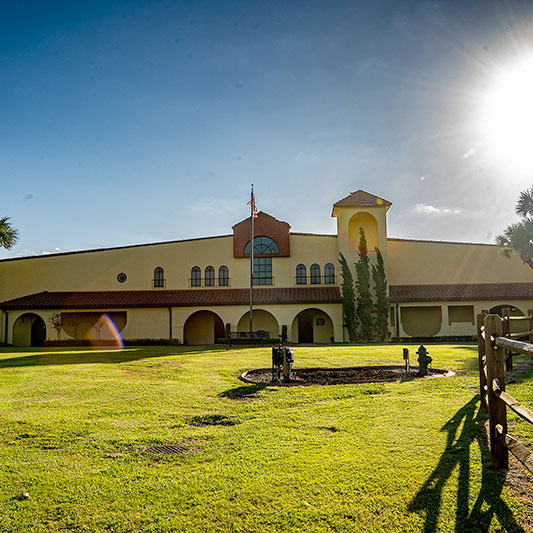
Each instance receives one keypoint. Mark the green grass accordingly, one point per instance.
(376, 457)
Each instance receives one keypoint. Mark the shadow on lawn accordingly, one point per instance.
(241, 393)
(457, 453)
(73, 356)
(78, 357)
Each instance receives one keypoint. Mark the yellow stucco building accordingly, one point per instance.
(196, 290)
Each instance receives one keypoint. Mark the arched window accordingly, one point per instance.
(196, 277)
(159, 277)
(262, 246)
(223, 276)
(329, 273)
(315, 274)
(301, 275)
(209, 276)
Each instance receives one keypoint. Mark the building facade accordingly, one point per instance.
(197, 290)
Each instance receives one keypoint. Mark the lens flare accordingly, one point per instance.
(105, 333)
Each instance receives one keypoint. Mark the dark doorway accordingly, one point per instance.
(220, 331)
(305, 328)
(38, 331)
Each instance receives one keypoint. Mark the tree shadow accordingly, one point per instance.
(469, 347)
(489, 502)
(78, 357)
(87, 355)
(241, 393)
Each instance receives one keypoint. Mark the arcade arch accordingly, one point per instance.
(29, 330)
(261, 320)
(312, 326)
(516, 326)
(203, 327)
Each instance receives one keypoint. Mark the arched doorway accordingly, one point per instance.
(29, 330)
(312, 326)
(203, 327)
(517, 326)
(261, 321)
(498, 310)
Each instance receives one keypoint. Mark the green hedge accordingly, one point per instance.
(225, 340)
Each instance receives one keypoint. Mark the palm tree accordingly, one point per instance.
(517, 239)
(8, 234)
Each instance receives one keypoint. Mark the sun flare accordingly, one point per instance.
(508, 117)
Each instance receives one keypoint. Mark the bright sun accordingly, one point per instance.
(508, 118)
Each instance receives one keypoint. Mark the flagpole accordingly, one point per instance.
(252, 207)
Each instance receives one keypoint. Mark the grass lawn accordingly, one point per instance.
(377, 457)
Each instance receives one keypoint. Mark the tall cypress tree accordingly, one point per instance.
(364, 299)
(381, 306)
(348, 299)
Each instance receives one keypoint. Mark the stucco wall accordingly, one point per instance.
(423, 312)
(90, 271)
(423, 262)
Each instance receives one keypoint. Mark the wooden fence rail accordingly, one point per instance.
(493, 338)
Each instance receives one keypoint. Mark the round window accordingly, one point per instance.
(121, 278)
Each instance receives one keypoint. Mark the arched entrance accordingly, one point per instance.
(261, 320)
(203, 327)
(29, 330)
(498, 310)
(517, 326)
(312, 326)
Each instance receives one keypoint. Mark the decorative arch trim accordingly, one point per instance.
(265, 225)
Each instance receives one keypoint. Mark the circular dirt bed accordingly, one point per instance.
(337, 376)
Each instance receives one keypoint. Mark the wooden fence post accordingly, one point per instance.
(506, 328)
(481, 354)
(499, 454)
(530, 325)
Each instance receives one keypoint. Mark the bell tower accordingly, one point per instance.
(361, 209)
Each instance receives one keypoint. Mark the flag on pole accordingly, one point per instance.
(253, 214)
(254, 207)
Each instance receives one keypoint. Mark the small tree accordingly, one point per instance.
(348, 299)
(72, 321)
(364, 298)
(57, 323)
(381, 305)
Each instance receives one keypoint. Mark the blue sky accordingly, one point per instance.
(139, 121)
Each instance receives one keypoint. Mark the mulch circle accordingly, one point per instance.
(339, 376)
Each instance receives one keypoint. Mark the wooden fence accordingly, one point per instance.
(494, 337)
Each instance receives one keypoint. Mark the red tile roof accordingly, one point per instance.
(294, 295)
(172, 298)
(361, 198)
(472, 291)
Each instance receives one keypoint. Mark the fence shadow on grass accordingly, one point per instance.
(489, 502)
